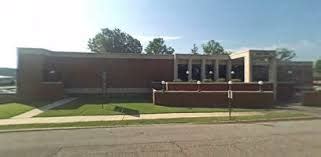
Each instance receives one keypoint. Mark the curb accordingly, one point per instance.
(117, 126)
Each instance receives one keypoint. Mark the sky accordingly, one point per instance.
(66, 25)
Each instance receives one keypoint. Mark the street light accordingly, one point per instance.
(198, 86)
(230, 98)
(52, 72)
(260, 86)
(232, 74)
(163, 86)
(211, 74)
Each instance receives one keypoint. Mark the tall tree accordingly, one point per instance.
(194, 49)
(114, 41)
(318, 66)
(285, 54)
(213, 47)
(157, 46)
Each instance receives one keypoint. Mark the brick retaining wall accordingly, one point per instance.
(312, 98)
(242, 99)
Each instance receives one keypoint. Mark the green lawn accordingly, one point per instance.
(270, 115)
(90, 106)
(11, 106)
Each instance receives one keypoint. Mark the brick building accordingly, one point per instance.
(49, 74)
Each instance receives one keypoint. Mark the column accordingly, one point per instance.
(228, 69)
(216, 71)
(175, 68)
(190, 69)
(248, 68)
(203, 75)
(273, 76)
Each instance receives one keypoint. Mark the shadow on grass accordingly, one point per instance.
(100, 100)
(127, 111)
(12, 98)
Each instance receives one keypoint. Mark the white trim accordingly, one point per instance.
(200, 57)
(40, 51)
(234, 91)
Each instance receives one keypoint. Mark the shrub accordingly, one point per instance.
(207, 80)
(236, 80)
(220, 80)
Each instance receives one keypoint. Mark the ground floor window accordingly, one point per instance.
(260, 73)
(222, 72)
(238, 72)
(181, 70)
(196, 71)
(209, 71)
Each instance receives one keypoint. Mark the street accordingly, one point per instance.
(283, 139)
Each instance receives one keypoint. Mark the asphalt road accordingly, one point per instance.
(277, 139)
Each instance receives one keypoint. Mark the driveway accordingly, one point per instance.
(291, 138)
(314, 111)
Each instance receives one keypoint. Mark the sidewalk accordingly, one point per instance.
(70, 119)
(37, 111)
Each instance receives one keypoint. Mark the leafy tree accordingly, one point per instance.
(318, 66)
(213, 47)
(228, 52)
(285, 54)
(194, 49)
(157, 46)
(114, 41)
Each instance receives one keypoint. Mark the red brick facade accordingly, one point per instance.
(131, 73)
(86, 72)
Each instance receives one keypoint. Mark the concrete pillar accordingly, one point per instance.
(190, 69)
(228, 69)
(248, 68)
(273, 76)
(203, 75)
(175, 68)
(217, 68)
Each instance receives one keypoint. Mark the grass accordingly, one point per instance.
(11, 106)
(313, 105)
(271, 115)
(93, 106)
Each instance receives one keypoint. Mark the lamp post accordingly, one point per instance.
(104, 87)
(260, 86)
(230, 98)
(198, 86)
(163, 86)
(52, 72)
(232, 74)
(187, 73)
(211, 74)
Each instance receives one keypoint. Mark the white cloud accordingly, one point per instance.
(145, 39)
(55, 25)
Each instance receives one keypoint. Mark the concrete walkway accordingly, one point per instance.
(37, 111)
(39, 120)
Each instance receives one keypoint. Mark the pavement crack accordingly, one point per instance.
(57, 151)
(179, 147)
